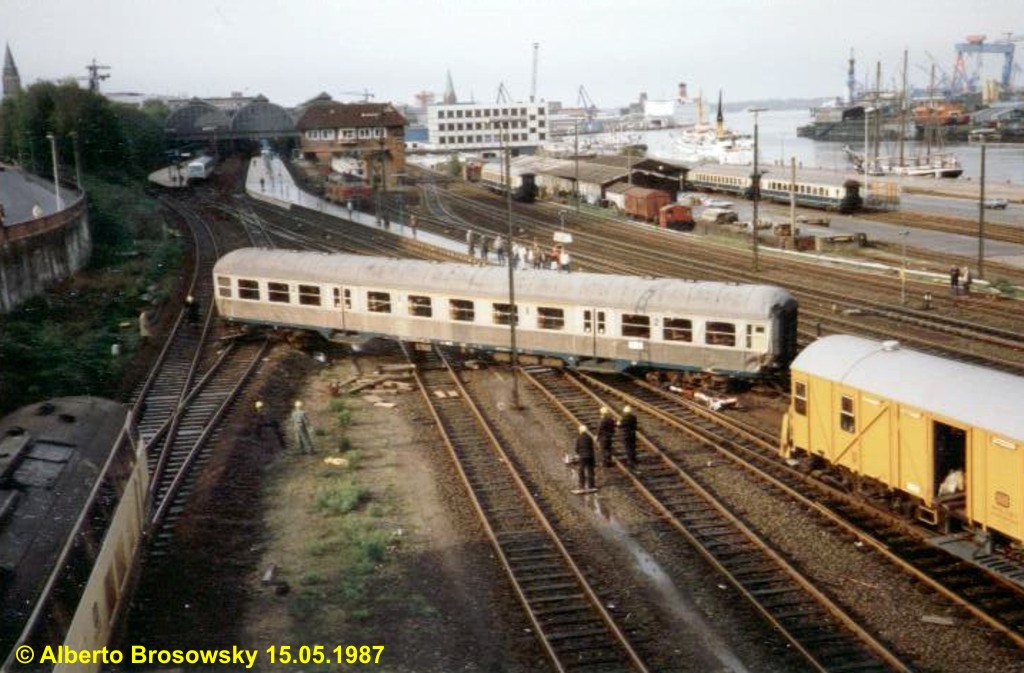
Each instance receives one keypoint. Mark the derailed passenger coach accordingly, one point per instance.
(946, 437)
(579, 318)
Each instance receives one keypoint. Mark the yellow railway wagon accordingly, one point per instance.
(947, 435)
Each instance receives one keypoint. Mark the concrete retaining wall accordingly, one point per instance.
(39, 252)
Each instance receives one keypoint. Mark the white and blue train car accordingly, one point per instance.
(200, 168)
(843, 195)
(664, 323)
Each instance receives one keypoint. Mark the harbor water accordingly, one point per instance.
(778, 143)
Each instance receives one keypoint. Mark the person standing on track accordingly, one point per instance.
(585, 467)
(605, 433)
(628, 426)
(300, 422)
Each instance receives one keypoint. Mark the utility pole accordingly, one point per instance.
(513, 309)
(756, 182)
(981, 217)
(792, 196)
(576, 153)
(78, 162)
(533, 81)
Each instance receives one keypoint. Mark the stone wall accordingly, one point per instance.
(37, 253)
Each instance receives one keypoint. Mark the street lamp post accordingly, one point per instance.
(576, 156)
(78, 161)
(756, 180)
(56, 172)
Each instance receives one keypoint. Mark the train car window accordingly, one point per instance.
(800, 397)
(378, 302)
(501, 314)
(420, 306)
(600, 322)
(309, 295)
(248, 289)
(638, 326)
(277, 292)
(588, 322)
(720, 334)
(550, 318)
(847, 419)
(677, 329)
(223, 286)
(461, 310)
(752, 331)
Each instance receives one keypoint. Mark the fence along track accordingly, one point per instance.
(819, 629)
(576, 631)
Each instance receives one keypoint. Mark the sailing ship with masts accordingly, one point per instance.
(929, 161)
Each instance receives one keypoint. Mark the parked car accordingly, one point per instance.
(996, 204)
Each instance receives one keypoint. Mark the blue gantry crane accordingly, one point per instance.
(976, 45)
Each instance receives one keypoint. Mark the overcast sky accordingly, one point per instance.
(291, 50)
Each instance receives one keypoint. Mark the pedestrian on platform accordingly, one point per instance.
(470, 242)
(565, 261)
(300, 422)
(954, 280)
(485, 247)
(263, 184)
(412, 224)
(349, 204)
(499, 249)
(191, 310)
(605, 433)
(966, 279)
(628, 426)
(585, 467)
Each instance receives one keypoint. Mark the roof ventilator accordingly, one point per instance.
(890, 346)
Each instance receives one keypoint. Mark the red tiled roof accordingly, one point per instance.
(333, 115)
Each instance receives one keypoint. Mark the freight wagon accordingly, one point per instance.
(944, 438)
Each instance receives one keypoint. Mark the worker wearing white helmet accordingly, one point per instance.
(300, 422)
(628, 426)
(605, 433)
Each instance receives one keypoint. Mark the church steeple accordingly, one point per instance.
(12, 80)
(449, 97)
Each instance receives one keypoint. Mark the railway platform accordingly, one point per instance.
(267, 179)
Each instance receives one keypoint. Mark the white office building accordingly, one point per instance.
(474, 126)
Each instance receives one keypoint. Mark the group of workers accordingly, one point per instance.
(520, 256)
(605, 433)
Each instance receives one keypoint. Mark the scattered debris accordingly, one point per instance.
(714, 402)
(336, 461)
(270, 574)
(938, 619)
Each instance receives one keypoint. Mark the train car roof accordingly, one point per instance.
(643, 295)
(973, 395)
(51, 454)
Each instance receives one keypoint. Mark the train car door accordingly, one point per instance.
(875, 454)
(914, 461)
(343, 303)
(594, 321)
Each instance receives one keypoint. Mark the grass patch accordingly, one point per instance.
(340, 496)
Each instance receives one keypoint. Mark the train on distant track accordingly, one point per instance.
(943, 439)
(844, 197)
(492, 175)
(200, 168)
(582, 319)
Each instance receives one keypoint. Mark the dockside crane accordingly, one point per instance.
(584, 101)
(976, 45)
(365, 93)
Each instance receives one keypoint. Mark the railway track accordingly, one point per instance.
(827, 636)
(576, 630)
(828, 305)
(988, 596)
